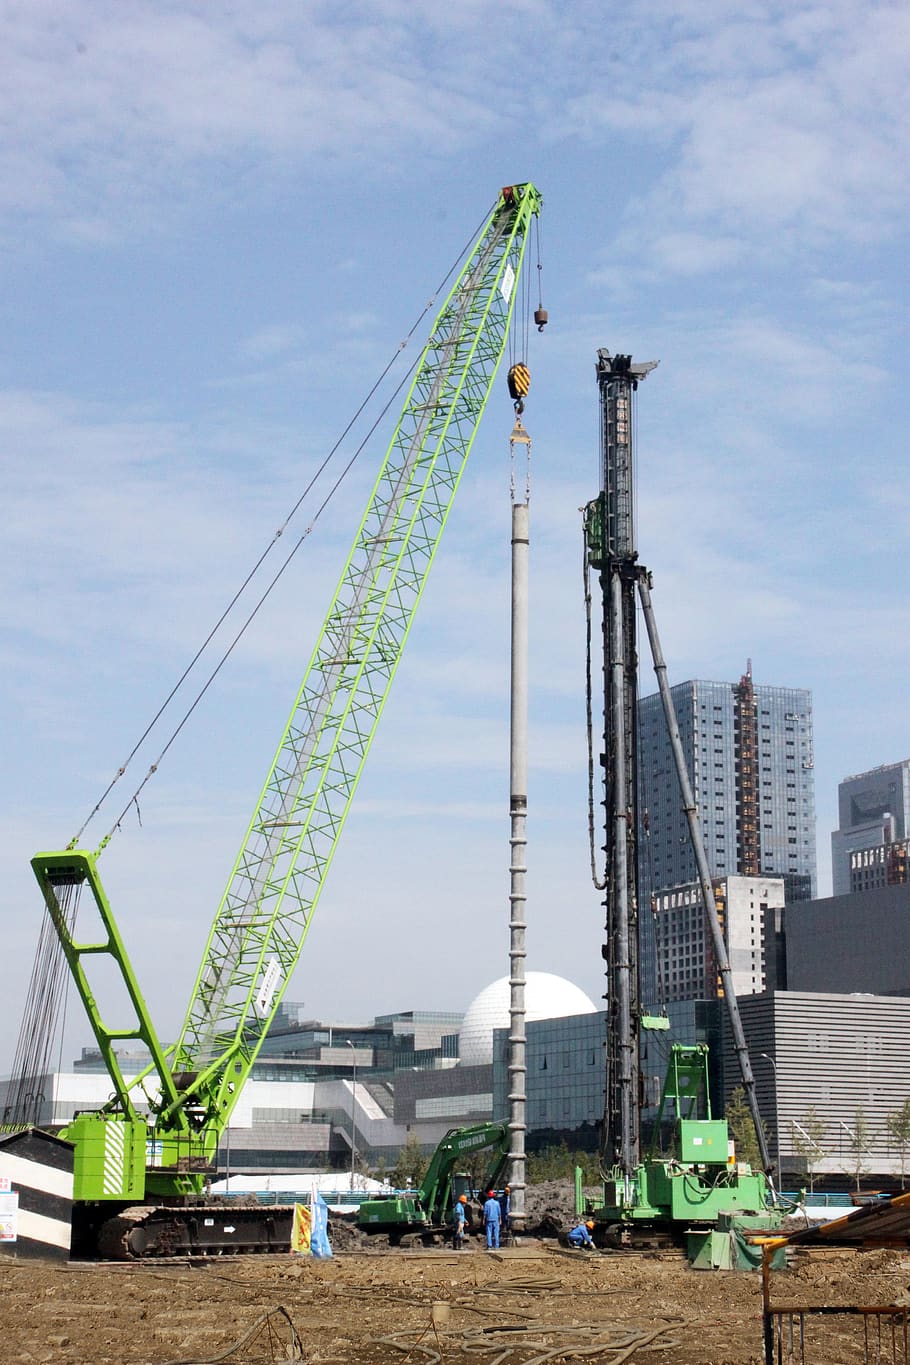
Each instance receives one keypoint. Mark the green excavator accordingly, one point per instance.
(428, 1209)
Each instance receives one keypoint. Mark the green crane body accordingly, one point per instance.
(429, 1207)
(697, 1185)
(190, 1088)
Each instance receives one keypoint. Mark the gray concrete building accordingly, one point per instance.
(853, 943)
(873, 809)
(884, 865)
(748, 751)
(829, 1069)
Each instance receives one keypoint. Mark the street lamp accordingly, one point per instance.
(353, 1108)
(776, 1117)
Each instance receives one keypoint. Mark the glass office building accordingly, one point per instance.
(748, 751)
(566, 1071)
(873, 812)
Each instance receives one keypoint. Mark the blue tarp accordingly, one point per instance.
(319, 1235)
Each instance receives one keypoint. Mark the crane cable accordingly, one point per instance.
(45, 1004)
(261, 560)
(600, 883)
(134, 799)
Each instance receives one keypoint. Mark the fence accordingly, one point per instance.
(864, 1336)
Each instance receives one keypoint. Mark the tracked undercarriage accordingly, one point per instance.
(150, 1231)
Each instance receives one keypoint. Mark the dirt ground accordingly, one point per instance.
(369, 1305)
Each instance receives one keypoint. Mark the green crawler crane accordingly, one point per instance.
(132, 1171)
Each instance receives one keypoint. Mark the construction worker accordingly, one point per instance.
(492, 1217)
(505, 1200)
(580, 1236)
(460, 1221)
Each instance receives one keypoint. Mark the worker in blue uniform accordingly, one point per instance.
(505, 1204)
(492, 1217)
(580, 1236)
(459, 1222)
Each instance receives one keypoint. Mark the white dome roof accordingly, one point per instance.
(546, 997)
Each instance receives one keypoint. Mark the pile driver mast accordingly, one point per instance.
(260, 926)
(612, 552)
(624, 582)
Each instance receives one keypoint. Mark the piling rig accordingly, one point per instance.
(646, 1192)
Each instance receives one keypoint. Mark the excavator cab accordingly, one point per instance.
(462, 1185)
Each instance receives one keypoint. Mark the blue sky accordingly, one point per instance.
(217, 222)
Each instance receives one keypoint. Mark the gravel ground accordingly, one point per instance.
(375, 1306)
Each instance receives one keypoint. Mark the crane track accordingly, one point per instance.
(152, 1232)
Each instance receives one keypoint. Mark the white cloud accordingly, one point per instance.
(787, 127)
(121, 106)
(263, 192)
(275, 339)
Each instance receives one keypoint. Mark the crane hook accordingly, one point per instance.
(519, 380)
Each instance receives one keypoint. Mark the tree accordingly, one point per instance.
(411, 1163)
(807, 1141)
(742, 1129)
(897, 1125)
(858, 1145)
(558, 1163)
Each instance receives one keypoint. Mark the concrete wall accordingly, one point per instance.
(858, 942)
(834, 1056)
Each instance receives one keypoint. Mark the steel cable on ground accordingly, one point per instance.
(292, 1349)
(280, 532)
(612, 1344)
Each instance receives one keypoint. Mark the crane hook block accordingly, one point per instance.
(541, 317)
(519, 379)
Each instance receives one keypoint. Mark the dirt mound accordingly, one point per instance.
(345, 1235)
(550, 1208)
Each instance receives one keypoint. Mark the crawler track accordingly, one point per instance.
(150, 1232)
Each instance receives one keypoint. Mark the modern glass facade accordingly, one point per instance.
(567, 1070)
(413, 1039)
(565, 1078)
(873, 809)
(780, 789)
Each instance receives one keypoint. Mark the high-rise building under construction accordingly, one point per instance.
(748, 749)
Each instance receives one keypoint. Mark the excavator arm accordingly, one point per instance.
(429, 1208)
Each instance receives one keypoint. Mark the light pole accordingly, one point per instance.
(776, 1117)
(353, 1108)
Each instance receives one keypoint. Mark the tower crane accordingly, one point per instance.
(134, 1173)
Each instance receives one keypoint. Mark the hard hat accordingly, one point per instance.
(490, 1194)
(589, 1225)
(462, 1199)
